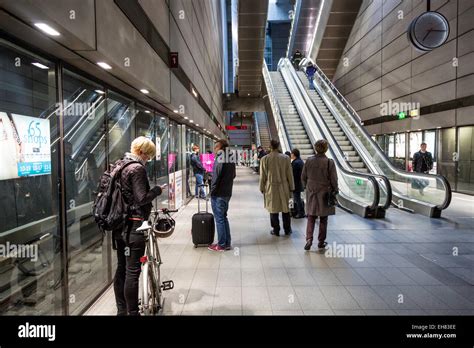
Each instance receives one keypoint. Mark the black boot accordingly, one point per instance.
(308, 245)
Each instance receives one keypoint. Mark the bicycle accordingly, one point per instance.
(150, 296)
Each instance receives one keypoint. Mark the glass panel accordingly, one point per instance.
(161, 164)
(447, 150)
(416, 138)
(85, 161)
(120, 123)
(400, 160)
(30, 282)
(465, 180)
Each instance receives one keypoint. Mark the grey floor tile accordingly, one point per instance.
(396, 276)
(394, 297)
(197, 312)
(229, 277)
(227, 298)
(348, 277)
(379, 312)
(441, 312)
(422, 297)
(319, 312)
(325, 277)
(372, 276)
(257, 312)
(253, 277)
(339, 298)
(450, 297)
(300, 277)
(311, 298)
(205, 277)
(276, 277)
(250, 261)
(229, 260)
(283, 299)
(256, 299)
(288, 313)
(292, 261)
(183, 278)
(410, 312)
(349, 312)
(227, 312)
(366, 297)
(272, 261)
(199, 300)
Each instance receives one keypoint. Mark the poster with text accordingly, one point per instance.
(25, 144)
(178, 182)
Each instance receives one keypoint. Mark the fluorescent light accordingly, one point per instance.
(147, 111)
(185, 117)
(162, 117)
(104, 65)
(144, 91)
(99, 91)
(41, 66)
(47, 29)
(248, 94)
(191, 121)
(175, 111)
(197, 124)
(194, 92)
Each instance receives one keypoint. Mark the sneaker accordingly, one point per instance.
(275, 233)
(308, 245)
(215, 247)
(228, 247)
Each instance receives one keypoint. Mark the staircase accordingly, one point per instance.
(263, 128)
(296, 132)
(351, 155)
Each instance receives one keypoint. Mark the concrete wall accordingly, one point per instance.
(101, 31)
(383, 65)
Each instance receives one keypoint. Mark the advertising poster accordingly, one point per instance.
(178, 185)
(25, 144)
(207, 160)
(171, 191)
(158, 148)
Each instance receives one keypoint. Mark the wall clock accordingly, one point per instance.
(428, 31)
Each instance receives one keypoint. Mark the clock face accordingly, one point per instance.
(428, 31)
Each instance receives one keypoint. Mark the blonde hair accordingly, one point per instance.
(143, 145)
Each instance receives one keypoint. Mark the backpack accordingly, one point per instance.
(109, 208)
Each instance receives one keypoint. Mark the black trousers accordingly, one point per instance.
(129, 250)
(275, 222)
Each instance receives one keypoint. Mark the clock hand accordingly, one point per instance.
(428, 33)
(438, 30)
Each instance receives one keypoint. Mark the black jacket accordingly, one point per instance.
(297, 166)
(223, 175)
(197, 165)
(136, 190)
(422, 162)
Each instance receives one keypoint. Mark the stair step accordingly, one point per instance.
(357, 164)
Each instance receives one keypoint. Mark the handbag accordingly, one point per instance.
(331, 198)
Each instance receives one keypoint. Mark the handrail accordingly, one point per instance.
(359, 124)
(313, 124)
(281, 127)
(257, 130)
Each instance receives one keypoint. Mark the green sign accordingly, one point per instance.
(359, 181)
(402, 115)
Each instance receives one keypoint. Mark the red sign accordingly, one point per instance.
(174, 63)
(235, 127)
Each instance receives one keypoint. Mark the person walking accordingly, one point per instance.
(320, 178)
(297, 165)
(422, 163)
(129, 243)
(310, 71)
(221, 191)
(276, 185)
(199, 171)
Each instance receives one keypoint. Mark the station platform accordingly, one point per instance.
(410, 264)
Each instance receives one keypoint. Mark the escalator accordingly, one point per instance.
(345, 124)
(358, 192)
(262, 130)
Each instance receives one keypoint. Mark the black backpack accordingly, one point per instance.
(109, 209)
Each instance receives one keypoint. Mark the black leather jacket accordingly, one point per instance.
(136, 190)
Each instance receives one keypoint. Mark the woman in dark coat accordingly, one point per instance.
(319, 177)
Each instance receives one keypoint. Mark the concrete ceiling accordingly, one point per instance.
(338, 28)
(251, 36)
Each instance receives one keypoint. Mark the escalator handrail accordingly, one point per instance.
(273, 100)
(329, 134)
(257, 130)
(368, 177)
(359, 124)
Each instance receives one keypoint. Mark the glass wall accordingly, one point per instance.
(30, 282)
(465, 179)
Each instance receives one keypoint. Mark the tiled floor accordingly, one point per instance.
(411, 265)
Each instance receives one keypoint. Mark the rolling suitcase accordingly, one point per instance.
(202, 228)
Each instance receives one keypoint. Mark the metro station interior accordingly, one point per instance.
(80, 79)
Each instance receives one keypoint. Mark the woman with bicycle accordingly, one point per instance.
(130, 244)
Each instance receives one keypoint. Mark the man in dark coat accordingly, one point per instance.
(422, 163)
(199, 172)
(297, 166)
(319, 177)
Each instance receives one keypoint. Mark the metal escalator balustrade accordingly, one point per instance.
(358, 192)
(429, 201)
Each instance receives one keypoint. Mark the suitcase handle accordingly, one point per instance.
(199, 199)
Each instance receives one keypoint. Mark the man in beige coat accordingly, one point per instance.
(276, 184)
